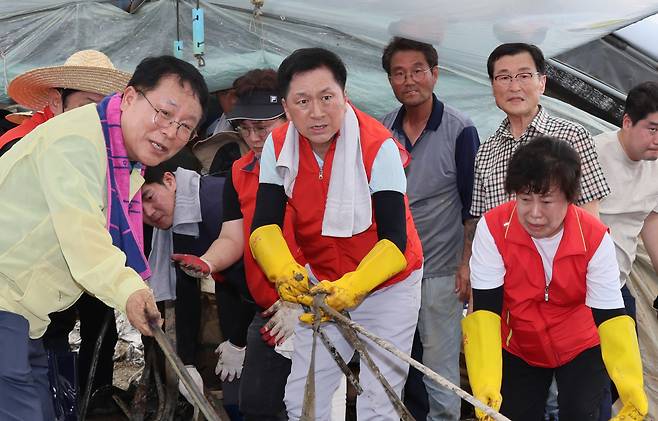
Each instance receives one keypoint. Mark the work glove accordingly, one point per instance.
(195, 266)
(484, 358)
(281, 325)
(384, 261)
(621, 356)
(229, 362)
(273, 256)
(198, 381)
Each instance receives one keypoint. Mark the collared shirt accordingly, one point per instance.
(495, 153)
(54, 242)
(439, 182)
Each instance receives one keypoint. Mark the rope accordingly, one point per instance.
(350, 325)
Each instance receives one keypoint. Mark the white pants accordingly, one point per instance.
(390, 313)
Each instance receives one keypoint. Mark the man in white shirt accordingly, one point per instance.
(628, 159)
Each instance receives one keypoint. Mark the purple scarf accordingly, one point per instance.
(124, 216)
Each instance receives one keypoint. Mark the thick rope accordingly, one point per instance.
(436, 378)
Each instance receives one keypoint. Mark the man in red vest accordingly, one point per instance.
(547, 300)
(86, 77)
(342, 175)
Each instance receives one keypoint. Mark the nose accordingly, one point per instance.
(316, 109)
(171, 130)
(535, 211)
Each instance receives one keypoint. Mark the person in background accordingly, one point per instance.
(185, 210)
(442, 142)
(628, 159)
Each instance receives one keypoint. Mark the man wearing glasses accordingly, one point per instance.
(443, 143)
(72, 220)
(517, 74)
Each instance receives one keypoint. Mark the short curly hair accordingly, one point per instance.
(542, 163)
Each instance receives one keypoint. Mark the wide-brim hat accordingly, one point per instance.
(86, 70)
(206, 149)
(258, 105)
(19, 117)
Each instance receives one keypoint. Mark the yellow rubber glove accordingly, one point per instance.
(483, 350)
(384, 261)
(270, 250)
(621, 356)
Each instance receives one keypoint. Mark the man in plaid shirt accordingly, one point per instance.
(517, 74)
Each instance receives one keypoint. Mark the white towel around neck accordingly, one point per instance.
(348, 210)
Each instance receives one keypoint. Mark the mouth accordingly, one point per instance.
(159, 147)
(516, 99)
(318, 128)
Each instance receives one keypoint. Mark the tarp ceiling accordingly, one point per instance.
(44, 32)
(37, 33)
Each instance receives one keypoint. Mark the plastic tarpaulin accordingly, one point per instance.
(36, 33)
(45, 32)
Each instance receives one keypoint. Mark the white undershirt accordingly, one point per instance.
(488, 268)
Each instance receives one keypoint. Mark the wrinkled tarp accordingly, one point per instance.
(44, 32)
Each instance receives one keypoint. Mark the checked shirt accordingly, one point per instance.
(495, 153)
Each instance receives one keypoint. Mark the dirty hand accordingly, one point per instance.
(196, 267)
(229, 362)
(282, 324)
(141, 311)
(198, 381)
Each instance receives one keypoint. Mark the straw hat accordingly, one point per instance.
(86, 70)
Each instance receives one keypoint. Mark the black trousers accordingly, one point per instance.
(264, 377)
(92, 313)
(580, 382)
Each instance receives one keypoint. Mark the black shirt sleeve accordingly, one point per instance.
(231, 204)
(601, 316)
(488, 299)
(391, 218)
(270, 206)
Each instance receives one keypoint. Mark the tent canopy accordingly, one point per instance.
(37, 33)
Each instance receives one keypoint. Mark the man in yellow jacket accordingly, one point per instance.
(71, 219)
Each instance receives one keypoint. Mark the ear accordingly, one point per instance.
(435, 72)
(626, 122)
(130, 95)
(55, 101)
(285, 109)
(542, 83)
(169, 180)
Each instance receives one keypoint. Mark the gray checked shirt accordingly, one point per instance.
(495, 153)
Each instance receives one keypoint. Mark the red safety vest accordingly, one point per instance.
(546, 326)
(332, 257)
(245, 173)
(26, 126)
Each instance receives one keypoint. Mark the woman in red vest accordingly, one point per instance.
(547, 300)
(342, 174)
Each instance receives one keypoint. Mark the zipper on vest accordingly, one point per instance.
(546, 293)
(320, 174)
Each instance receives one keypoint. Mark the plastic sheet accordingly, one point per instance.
(45, 32)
